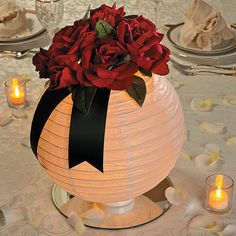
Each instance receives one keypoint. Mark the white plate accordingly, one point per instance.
(173, 35)
(35, 29)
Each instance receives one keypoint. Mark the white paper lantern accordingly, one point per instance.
(141, 145)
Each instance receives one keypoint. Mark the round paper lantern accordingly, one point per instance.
(141, 145)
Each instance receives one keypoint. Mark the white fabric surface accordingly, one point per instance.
(23, 184)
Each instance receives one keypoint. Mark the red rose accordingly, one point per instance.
(60, 61)
(110, 14)
(62, 70)
(155, 59)
(61, 73)
(106, 64)
(143, 42)
(41, 60)
(68, 40)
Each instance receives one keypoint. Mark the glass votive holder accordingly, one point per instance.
(16, 92)
(219, 193)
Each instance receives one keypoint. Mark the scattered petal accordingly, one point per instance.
(25, 142)
(212, 148)
(19, 114)
(230, 99)
(174, 196)
(193, 208)
(5, 120)
(76, 222)
(229, 230)
(202, 104)
(94, 214)
(231, 141)
(208, 162)
(205, 223)
(185, 156)
(11, 216)
(212, 128)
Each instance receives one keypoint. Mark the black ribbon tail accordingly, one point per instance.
(48, 102)
(86, 141)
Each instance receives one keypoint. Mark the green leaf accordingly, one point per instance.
(89, 93)
(125, 58)
(86, 16)
(145, 72)
(131, 16)
(79, 99)
(137, 90)
(104, 30)
(83, 97)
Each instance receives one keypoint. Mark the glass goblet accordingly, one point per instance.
(49, 14)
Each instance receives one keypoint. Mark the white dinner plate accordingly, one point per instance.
(173, 35)
(35, 29)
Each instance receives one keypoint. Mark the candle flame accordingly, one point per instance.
(218, 192)
(14, 82)
(219, 181)
(17, 92)
(219, 184)
(15, 86)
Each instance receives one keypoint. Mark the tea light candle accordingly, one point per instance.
(17, 97)
(15, 92)
(219, 193)
(218, 198)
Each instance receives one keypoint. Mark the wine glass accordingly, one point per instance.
(49, 14)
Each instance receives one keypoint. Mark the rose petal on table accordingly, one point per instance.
(19, 114)
(229, 230)
(94, 214)
(174, 196)
(212, 128)
(230, 99)
(231, 141)
(5, 120)
(208, 162)
(202, 104)
(11, 216)
(193, 208)
(212, 148)
(76, 222)
(206, 223)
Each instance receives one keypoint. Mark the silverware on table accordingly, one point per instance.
(202, 66)
(233, 25)
(205, 71)
(18, 55)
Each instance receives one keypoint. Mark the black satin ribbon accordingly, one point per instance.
(47, 103)
(87, 132)
(86, 137)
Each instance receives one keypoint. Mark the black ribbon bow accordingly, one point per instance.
(86, 137)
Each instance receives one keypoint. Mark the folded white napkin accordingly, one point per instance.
(205, 26)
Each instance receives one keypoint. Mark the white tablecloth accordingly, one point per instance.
(24, 185)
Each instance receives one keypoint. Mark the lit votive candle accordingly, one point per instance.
(15, 92)
(219, 192)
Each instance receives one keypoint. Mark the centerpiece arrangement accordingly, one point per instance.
(108, 128)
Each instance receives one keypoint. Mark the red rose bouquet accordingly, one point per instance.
(103, 50)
